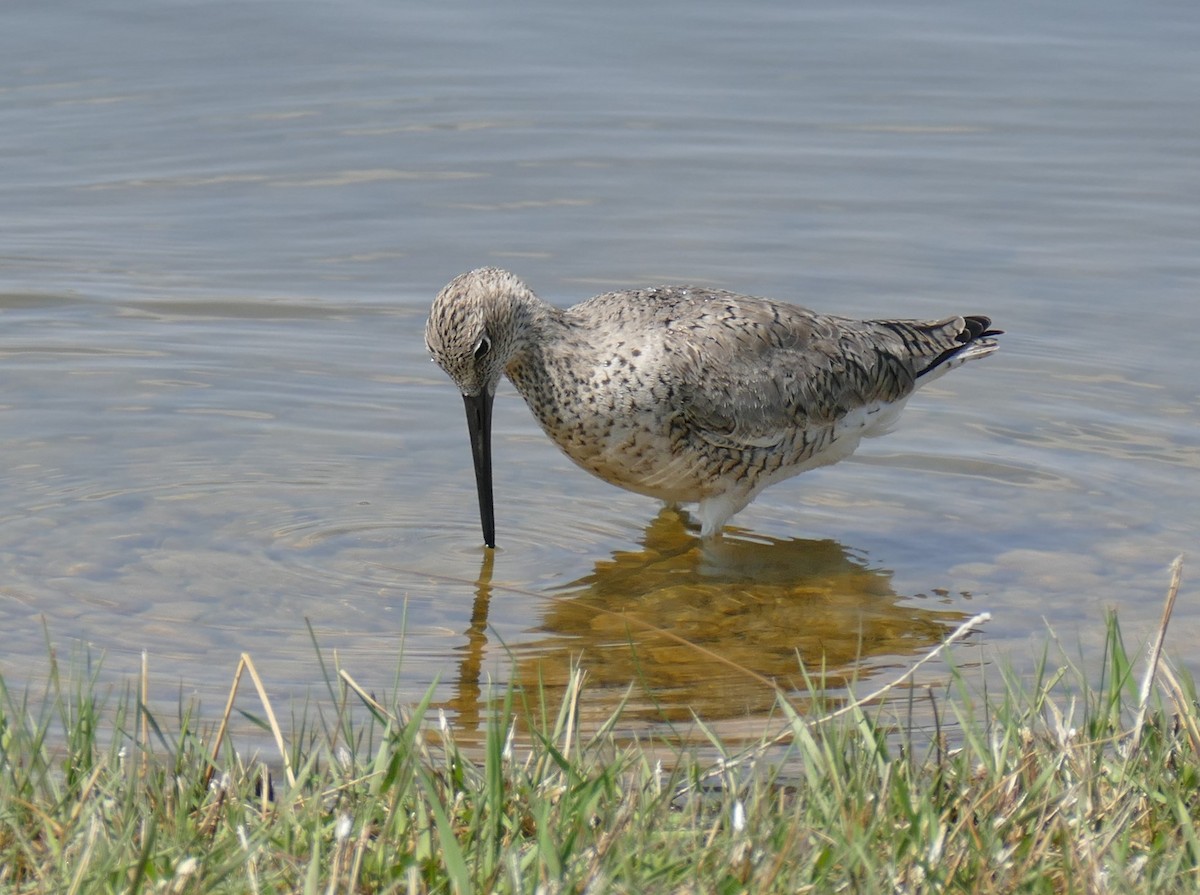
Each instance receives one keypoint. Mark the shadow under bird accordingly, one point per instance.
(683, 393)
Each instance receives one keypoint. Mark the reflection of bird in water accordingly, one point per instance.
(762, 605)
(686, 394)
(468, 700)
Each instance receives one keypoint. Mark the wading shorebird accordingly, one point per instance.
(683, 393)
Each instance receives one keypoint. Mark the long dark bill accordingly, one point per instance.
(479, 425)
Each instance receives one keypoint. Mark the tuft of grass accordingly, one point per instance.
(1055, 783)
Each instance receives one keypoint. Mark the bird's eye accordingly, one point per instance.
(484, 346)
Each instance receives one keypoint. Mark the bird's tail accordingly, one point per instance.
(973, 338)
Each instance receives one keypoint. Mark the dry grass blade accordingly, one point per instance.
(1185, 711)
(1155, 655)
(276, 731)
(366, 697)
(144, 727)
(788, 733)
(394, 717)
(84, 860)
(223, 727)
(245, 663)
(571, 704)
(959, 633)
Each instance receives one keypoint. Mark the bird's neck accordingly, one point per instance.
(544, 329)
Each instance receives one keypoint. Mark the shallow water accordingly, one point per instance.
(221, 227)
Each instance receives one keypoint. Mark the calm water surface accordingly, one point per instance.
(222, 224)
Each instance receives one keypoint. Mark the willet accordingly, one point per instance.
(683, 393)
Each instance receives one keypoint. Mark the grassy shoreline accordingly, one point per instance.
(1054, 784)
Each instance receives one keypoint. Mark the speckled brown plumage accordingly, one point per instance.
(689, 394)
